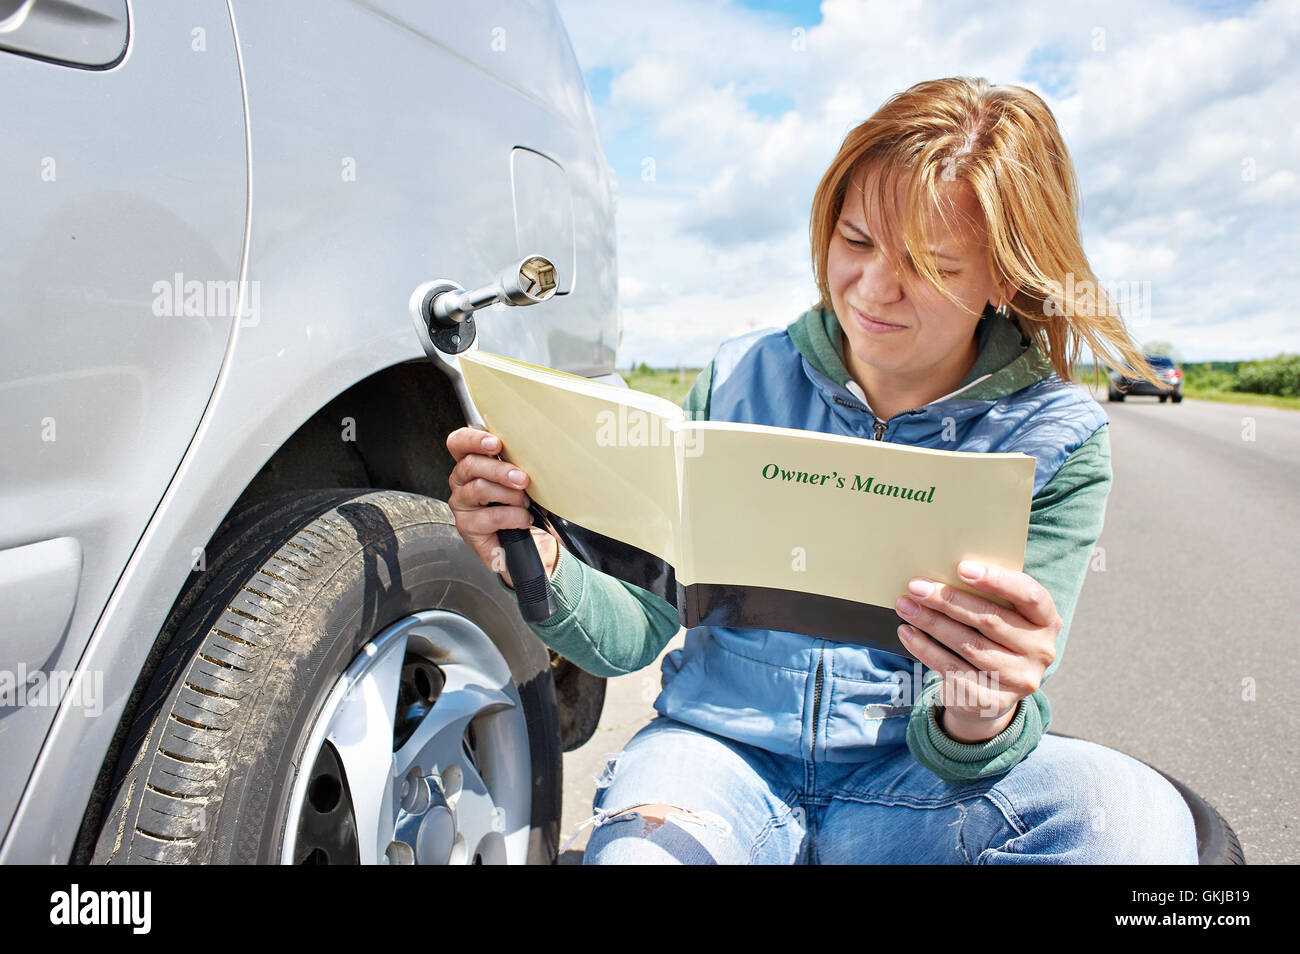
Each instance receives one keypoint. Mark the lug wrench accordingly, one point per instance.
(444, 313)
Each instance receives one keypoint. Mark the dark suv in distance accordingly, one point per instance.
(1163, 367)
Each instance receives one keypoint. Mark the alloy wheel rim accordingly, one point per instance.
(419, 755)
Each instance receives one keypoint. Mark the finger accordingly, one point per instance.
(1004, 627)
(480, 491)
(474, 466)
(1020, 656)
(964, 686)
(472, 440)
(964, 639)
(1027, 595)
(485, 521)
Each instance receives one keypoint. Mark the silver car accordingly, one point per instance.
(239, 624)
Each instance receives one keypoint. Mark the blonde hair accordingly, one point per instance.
(1004, 142)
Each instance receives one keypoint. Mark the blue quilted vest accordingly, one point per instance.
(763, 686)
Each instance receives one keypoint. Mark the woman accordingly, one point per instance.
(952, 281)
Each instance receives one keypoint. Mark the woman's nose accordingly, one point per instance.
(878, 283)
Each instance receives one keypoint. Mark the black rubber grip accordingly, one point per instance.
(536, 598)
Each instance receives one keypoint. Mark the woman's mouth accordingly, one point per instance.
(875, 325)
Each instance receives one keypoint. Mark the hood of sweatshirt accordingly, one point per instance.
(1007, 361)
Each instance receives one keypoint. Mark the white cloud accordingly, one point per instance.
(1281, 186)
(651, 83)
(1182, 126)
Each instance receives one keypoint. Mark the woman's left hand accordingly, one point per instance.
(991, 657)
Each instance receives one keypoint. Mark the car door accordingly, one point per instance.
(123, 184)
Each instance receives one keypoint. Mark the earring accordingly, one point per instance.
(1002, 310)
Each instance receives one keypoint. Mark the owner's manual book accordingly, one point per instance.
(747, 525)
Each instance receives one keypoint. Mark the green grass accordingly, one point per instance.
(671, 383)
(1242, 397)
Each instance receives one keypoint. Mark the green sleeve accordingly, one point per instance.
(696, 404)
(605, 625)
(1065, 521)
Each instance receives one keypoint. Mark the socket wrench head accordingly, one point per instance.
(528, 281)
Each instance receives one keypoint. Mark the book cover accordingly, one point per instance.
(747, 525)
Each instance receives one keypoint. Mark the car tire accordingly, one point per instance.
(261, 730)
(1216, 842)
(1176, 398)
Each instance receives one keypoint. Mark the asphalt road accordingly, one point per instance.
(1183, 649)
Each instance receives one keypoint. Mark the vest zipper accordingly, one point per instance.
(817, 704)
(879, 432)
(878, 425)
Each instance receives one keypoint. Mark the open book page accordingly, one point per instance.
(601, 457)
(774, 528)
(797, 511)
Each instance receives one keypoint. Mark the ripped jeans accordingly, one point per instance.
(726, 802)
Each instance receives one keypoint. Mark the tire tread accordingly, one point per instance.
(226, 635)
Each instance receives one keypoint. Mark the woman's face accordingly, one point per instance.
(928, 337)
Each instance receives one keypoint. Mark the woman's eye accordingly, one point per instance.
(854, 242)
(944, 272)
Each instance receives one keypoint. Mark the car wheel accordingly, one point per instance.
(1164, 398)
(1176, 398)
(1216, 842)
(352, 684)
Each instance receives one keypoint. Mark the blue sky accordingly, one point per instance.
(719, 116)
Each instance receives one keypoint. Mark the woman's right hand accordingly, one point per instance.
(477, 480)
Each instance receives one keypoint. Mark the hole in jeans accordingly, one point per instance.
(653, 815)
(606, 776)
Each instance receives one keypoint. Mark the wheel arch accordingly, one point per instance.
(385, 432)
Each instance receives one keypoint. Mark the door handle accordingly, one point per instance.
(74, 32)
